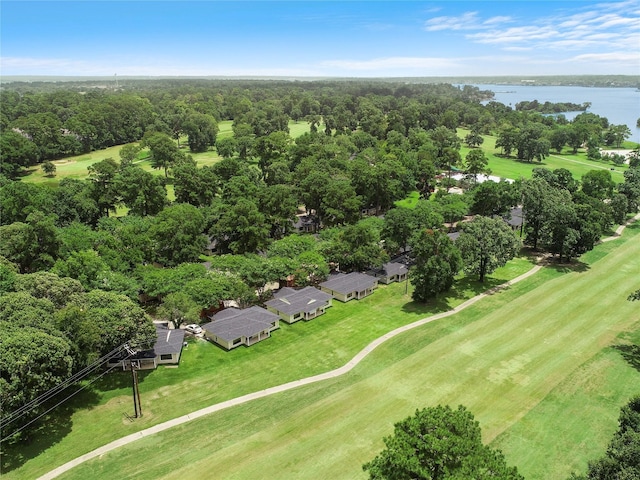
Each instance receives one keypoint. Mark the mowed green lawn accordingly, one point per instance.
(76, 166)
(208, 374)
(578, 164)
(539, 348)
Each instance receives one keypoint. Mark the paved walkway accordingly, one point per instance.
(621, 228)
(296, 383)
(601, 167)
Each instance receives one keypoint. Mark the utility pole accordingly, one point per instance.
(406, 283)
(134, 384)
(137, 405)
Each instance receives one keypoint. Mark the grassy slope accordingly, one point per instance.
(76, 167)
(295, 351)
(512, 359)
(578, 164)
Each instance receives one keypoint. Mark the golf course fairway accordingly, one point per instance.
(501, 357)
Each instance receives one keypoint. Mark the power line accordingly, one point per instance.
(57, 404)
(24, 409)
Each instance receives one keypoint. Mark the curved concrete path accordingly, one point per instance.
(296, 383)
(621, 228)
(279, 388)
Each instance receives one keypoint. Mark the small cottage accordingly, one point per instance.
(232, 327)
(293, 305)
(345, 287)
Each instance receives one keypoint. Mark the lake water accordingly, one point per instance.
(619, 105)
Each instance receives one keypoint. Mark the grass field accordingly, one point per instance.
(507, 358)
(578, 164)
(294, 351)
(76, 166)
(533, 367)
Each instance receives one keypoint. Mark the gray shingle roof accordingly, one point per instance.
(231, 324)
(350, 282)
(516, 218)
(290, 301)
(168, 341)
(393, 268)
(453, 236)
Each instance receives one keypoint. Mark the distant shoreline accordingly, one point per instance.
(612, 81)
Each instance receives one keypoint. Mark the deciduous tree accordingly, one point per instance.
(486, 244)
(164, 151)
(49, 168)
(32, 361)
(598, 184)
(59, 290)
(201, 130)
(177, 234)
(438, 443)
(476, 163)
(142, 192)
(398, 226)
(437, 262)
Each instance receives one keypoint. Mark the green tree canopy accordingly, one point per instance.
(398, 227)
(201, 130)
(32, 361)
(48, 285)
(476, 163)
(114, 319)
(438, 443)
(142, 192)
(164, 151)
(177, 234)
(179, 308)
(486, 244)
(598, 184)
(437, 262)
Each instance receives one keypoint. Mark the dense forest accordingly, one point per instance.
(78, 281)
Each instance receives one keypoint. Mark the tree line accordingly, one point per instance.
(231, 228)
(40, 126)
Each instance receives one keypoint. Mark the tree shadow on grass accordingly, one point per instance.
(43, 432)
(574, 266)
(54, 426)
(631, 353)
(464, 288)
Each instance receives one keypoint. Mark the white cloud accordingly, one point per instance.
(611, 26)
(466, 21)
(625, 57)
(514, 34)
(497, 20)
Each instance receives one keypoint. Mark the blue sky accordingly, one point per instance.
(322, 38)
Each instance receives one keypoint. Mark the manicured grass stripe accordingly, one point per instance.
(208, 375)
(574, 422)
(578, 164)
(501, 358)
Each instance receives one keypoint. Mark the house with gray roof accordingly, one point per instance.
(516, 219)
(293, 305)
(390, 272)
(346, 286)
(166, 351)
(306, 223)
(232, 327)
